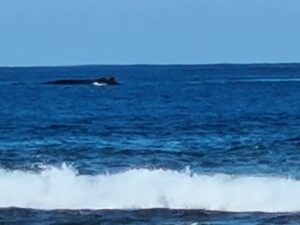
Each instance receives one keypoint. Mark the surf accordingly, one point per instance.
(64, 188)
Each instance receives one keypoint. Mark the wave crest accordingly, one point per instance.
(63, 188)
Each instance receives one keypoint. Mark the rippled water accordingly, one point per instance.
(216, 144)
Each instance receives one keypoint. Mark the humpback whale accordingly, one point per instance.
(97, 82)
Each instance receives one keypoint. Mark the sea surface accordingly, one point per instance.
(186, 145)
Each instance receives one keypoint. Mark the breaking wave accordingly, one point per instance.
(64, 188)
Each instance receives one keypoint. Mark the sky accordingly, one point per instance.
(78, 32)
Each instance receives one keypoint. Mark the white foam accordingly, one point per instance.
(63, 188)
(99, 84)
(270, 80)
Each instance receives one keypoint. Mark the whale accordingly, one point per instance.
(97, 82)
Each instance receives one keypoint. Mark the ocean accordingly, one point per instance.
(172, 144)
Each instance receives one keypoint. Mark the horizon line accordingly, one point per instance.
(155, 64)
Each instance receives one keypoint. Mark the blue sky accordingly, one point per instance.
(71, 32)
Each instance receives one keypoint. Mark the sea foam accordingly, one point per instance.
(63, 188)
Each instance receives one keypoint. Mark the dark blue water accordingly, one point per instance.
(211, 144)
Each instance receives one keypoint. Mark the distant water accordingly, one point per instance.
(195, 145)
